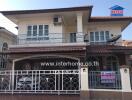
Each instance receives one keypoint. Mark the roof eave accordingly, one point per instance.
(46, 10)
(106, 19)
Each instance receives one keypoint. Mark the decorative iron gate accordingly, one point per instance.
(40, 81)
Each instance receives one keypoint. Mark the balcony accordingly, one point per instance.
(58, 39)
(51, 39)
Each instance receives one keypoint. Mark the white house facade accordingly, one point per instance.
(66, 51)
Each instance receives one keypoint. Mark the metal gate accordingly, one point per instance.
(40, 81)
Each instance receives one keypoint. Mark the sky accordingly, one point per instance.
(100, 8)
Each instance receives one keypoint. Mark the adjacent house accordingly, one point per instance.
(127, 43)
(67, 51)
(6, 38)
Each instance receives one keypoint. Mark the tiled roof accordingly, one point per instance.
(108, 49)
(46, 10)
(109, 18)
(46, 49)
(90, 49)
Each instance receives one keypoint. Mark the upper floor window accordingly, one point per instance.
(73, 37)
(38, 32)
(99, 36)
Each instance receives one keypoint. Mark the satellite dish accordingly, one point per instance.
(114, 39)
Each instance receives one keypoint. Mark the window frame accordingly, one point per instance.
(99, 36)
(38, 36)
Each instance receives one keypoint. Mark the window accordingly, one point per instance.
(38, 32)
(99, 36)
(46, 30)
(55, 19)
(72, 37)
(91, 36)
(112, 63)
(102, 36)
(29, 32)
(96, 36)
(5, 46)
(3, 61)
(35, 30)
(107, 35)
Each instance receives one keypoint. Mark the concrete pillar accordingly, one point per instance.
(84, 95)
(125, 79)
(80, 35)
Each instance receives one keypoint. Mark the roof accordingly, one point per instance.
(8, 32)
(46, 49)
(99, 49)
(81, 8)
(109, 18)
(108, 49)
(46, 10)
(127, 43)
(116, 7)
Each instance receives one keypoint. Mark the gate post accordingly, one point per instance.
(125, 81)
(84, 95)
(125, 78)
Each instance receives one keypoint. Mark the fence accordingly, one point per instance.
(131, 78)
(40, 81)
(104, 80)
(55, 81)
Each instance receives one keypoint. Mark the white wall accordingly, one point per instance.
(4, 37)
(45, 20)
(64, 30)
(113, 28)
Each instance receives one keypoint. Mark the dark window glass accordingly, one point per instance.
(46, 30)
(96, 36)
(91, 36)
(40, 30)
(107, 35)
(56, 19)
(102, 36)
(29, 30)
(72, 37)
(35, 30)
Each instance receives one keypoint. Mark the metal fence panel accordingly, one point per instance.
(104, 80)
(40, 81)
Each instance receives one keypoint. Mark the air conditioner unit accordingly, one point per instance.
(57, 20)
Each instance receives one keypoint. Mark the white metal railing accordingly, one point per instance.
(104, 80)
(51, 38)
(40, 81)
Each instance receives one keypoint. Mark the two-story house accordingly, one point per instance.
(66, 51)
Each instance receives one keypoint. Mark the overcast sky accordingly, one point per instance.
(101, 8)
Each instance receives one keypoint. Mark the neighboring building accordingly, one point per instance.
(6, 38)
(127, 43)
(48, 37)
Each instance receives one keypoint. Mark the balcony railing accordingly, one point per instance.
(53, 38)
